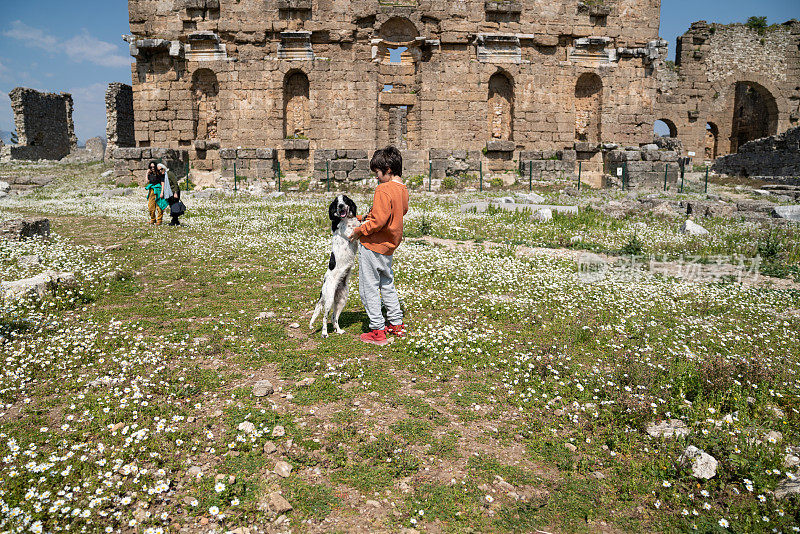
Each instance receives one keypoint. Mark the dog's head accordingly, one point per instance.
(342, 207)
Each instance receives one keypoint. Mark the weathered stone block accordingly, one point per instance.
(342, 165)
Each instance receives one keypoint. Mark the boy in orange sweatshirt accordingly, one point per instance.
(380, 234)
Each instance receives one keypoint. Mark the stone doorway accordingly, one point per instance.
(755, 114)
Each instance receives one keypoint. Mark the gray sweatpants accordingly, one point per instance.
(376, 280)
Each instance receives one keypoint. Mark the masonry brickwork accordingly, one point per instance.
(731, 84)
(494, 78)
(119, 117)
(44, 125)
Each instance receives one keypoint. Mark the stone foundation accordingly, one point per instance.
(251, 163)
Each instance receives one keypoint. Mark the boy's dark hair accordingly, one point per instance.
(387, 159)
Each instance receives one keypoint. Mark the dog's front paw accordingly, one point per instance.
(324, 335)
(340, 331)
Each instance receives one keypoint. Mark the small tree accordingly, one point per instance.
(759, 24)
(14, 138)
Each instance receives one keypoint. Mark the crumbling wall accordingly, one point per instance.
(119, 117)
(776, 156)
(44, 124)
(731, 84)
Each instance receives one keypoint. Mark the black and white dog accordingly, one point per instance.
(336, 284)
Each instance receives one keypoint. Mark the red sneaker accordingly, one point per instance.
(376, 337)
(398, 330)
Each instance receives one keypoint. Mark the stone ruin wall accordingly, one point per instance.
(119, 118)
(712, 60)
(496, 78)
(44, 125)
(776, 157)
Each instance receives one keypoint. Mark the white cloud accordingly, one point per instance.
(31, 36)
(81, 48)
(84, 47)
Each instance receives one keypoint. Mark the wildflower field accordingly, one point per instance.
(523, 400)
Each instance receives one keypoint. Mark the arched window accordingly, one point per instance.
(398, 45)
(205, 94)
(501, 107)
(588, 108)
(755, 114)
(665, 128)
(296, 112)
(712, 140)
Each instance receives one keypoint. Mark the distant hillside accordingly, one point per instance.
(5, 136)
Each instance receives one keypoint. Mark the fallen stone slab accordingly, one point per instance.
(692, 228)
(19, 229)
(5, 187)
(283, 469)
(278, 503)
(703, 464)
(791, 213)
(529, 198)
(37, 285)
(787, 488)
(262, 388)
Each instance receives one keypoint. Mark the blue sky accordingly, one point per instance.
(53, 45)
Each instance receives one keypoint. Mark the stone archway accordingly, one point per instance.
(672, 130)
(588, 108)
(205, 96)
(398, 45)
(296, 109)
(501, 107)
(755, 114)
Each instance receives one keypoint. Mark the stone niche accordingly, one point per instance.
(592, 50)
(205, 46)
(295, 46)
(498, 48)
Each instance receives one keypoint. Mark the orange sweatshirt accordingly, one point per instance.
(382, 230)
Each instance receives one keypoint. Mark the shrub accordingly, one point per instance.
(496, 182)
(759, 24)
(449, 183)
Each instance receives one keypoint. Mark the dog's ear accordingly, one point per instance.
(352, 205)
(332, 209)
(335, 220)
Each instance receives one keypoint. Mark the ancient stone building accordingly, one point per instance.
(44, 125)
(119, 117)
(730, 85)
(316, 84)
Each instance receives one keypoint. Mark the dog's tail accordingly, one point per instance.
(317, 311)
